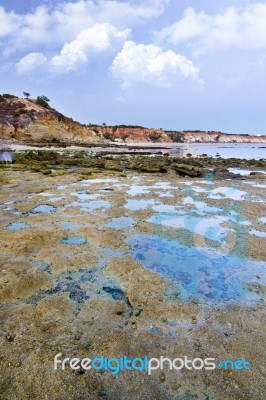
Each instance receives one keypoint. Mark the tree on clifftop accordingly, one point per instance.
(44, 98)
(26, 94)
(43, 101)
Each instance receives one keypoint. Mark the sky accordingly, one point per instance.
(171, 64)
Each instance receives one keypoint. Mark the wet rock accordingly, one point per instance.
(256, 173)
(146, 164)
(189, 170)
(116, 294)
(113, 165)
(137, 312)
(85, 342)
(197, 344)
(102, 392)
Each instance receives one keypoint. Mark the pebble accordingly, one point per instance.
(85, 343)
(162, 377)
(5, 364)
(173, 386)
(137, 312)
(206, 381)
(10, 337)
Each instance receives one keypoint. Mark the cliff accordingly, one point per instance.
(25, 120)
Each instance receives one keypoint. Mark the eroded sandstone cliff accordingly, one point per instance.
(24, 120)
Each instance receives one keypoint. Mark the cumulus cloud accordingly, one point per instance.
(150, 64)
(8, 22)
(30, 63)
(95, 39)
(62, 22)
(236, 27)
(75, 54)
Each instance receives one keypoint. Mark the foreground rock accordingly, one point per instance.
(92, 298)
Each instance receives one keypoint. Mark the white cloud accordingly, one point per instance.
(149, 64)
(30, 63)
(54, 26)
(95, 39)
(75, 54)
(8, 22)
(237, 27)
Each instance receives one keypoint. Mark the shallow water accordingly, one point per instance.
(243, 172)
(69, 225)
(6, 156)
(210, 228)
(229, 193)
(74, 240)
(239, 150)
(219, 280)
(84, 283)
(42, 266)
(42, 209)
(135, 205)
(91, 206)
(120, 223)
(167, 208)
(257, 233)
(17, 226)
(85, 196)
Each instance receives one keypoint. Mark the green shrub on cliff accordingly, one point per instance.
(9, 96)
(42, 101)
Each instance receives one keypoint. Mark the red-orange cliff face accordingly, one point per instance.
(129, 134)
(24, 120)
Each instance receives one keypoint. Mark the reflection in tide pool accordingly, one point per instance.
(91, 206)
(6, 156)
(135, 205)
(120, 223)
(17, 226)
(210, 228)
(74, 240)
(219, 280)
(43, 208)
(69, 225)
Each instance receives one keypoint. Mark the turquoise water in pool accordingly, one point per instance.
(69, 225)
(120, 223)
(216, 278)
(17, 226)
(42, 209)
(74, 240)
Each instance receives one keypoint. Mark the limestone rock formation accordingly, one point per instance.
(24, 120)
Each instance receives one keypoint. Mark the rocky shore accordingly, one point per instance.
(132, 253)
(77, 236)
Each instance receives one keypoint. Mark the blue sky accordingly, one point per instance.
(171, 64)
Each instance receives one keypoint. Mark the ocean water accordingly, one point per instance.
(231, 150)
(240, 150)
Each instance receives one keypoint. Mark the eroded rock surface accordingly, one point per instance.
(97, 296)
